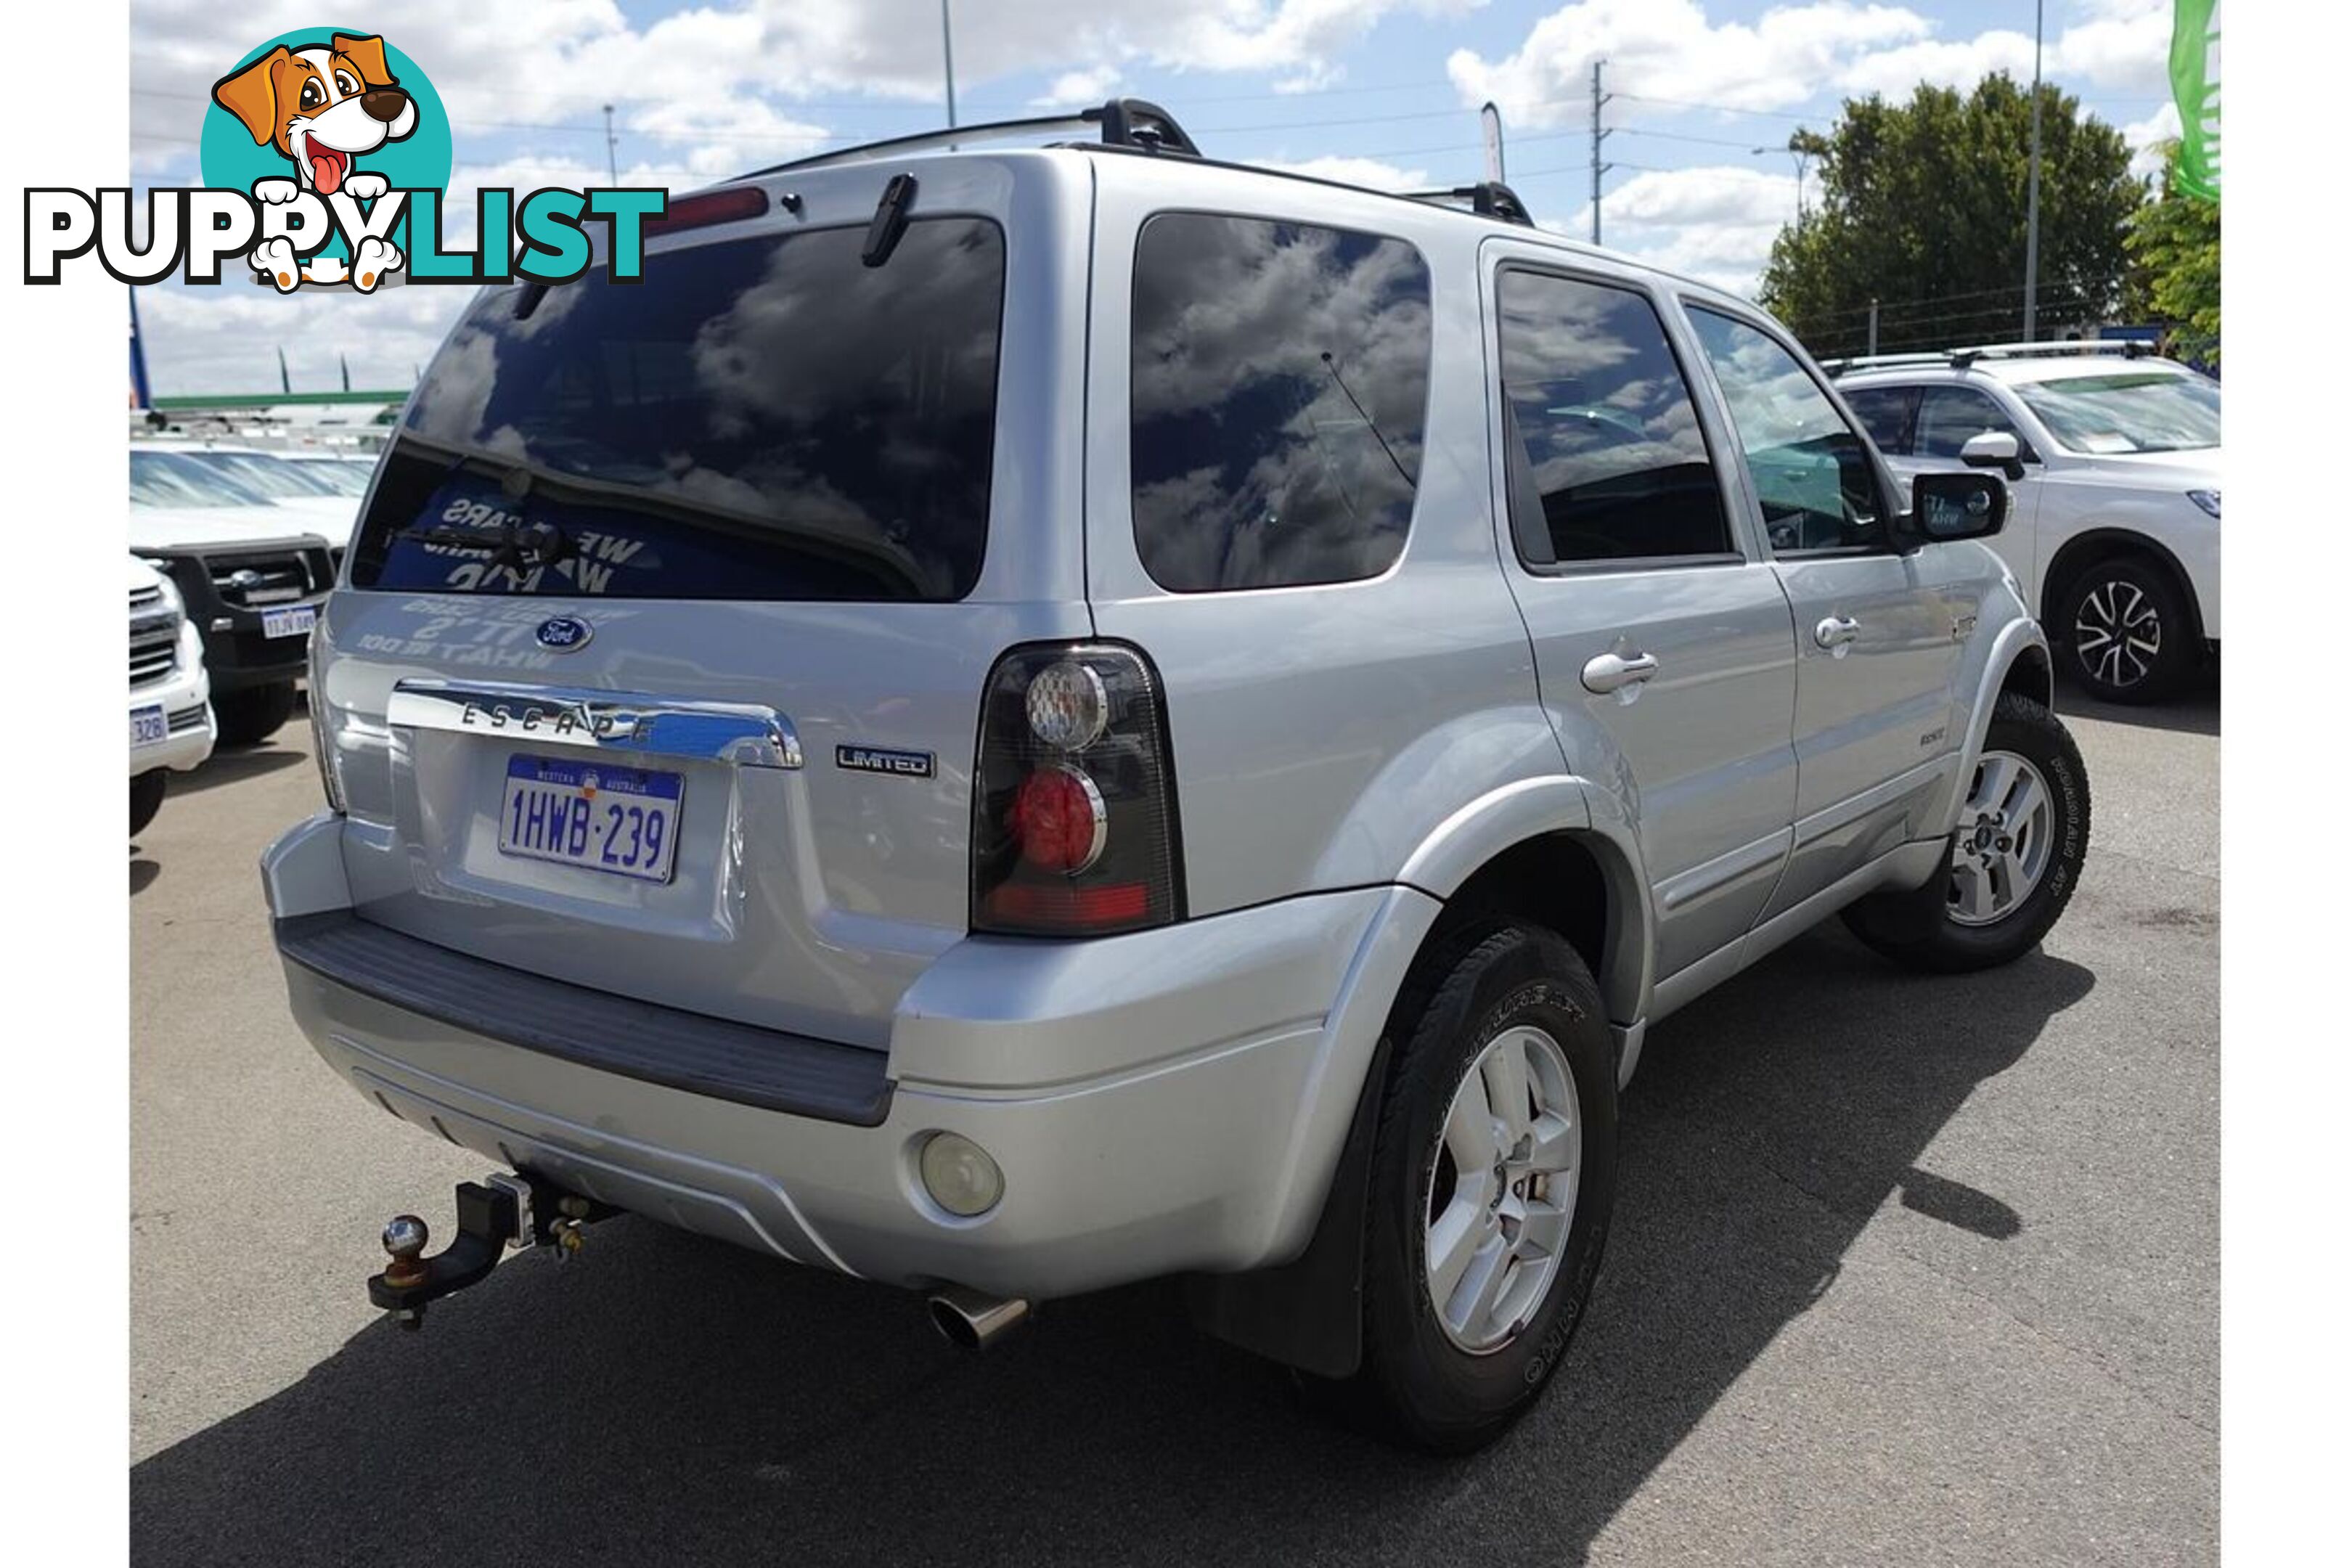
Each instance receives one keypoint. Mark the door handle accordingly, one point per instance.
(1608, 672)
(1836, 631)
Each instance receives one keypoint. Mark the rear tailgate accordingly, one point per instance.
(661, 662)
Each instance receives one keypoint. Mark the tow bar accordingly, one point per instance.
(498, 1212)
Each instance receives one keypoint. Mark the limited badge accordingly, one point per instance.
(880, 759)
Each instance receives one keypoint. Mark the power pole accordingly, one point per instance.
(2034, 186)
(611, 147)
(1598, 168)
(947, 54)
(1873, 326)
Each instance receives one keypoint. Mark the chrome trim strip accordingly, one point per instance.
(744, 733)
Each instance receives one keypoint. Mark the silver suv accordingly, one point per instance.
(1009, 721)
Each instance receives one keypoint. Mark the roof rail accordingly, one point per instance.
(1125, 121)
(1488, 198)
(1961, 358)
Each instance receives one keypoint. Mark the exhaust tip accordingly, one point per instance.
(973, 1320)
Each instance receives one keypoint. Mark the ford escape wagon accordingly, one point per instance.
(1018, 719)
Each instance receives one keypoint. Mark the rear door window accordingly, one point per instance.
(1607, 459)
(1280, 389)
(765, 418)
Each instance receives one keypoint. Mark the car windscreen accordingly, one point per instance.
(176, 479)
(2133, 411)
(273, 477)
(341, 476)
(766, 418)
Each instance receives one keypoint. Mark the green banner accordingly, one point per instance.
(2197, 92)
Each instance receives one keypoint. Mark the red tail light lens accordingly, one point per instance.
(1074, 812)
(731, 205)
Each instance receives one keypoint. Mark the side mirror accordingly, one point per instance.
(1954, 505)
(1994, 449)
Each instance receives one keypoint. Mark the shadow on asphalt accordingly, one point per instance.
(2196, 712)
(668, 1399)
(143, 873)
(234, 765)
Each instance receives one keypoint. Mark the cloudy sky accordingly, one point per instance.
(1384, 91)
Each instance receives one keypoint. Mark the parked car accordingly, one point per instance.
(171, 717)
(1390, 702)
(2114, 459)
(343, 472)
(252, 576)
(307, 491)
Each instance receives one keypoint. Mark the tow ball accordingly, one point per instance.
(497, 1213)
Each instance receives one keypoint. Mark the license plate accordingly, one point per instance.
(148, 726)
(294, 621)
(606, 818)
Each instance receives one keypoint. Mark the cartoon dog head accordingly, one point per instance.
(322, 105)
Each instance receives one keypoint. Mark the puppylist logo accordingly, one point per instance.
(325, 157)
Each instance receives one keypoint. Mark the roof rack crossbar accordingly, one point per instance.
(1487, 198)
(1961, 358)
(1125, 123)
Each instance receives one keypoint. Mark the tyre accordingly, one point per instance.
(1493, 1173)
(2126, 633)
(253, 714)
(147, 796)
(2017, 854)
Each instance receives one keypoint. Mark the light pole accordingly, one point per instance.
(946, 55)
(1797, 155)
(2034, 186)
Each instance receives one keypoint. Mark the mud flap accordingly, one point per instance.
(1308, 1313)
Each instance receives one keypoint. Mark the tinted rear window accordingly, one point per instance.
(757, 419)
(1281, 383)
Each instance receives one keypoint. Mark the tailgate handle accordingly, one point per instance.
(745, 733)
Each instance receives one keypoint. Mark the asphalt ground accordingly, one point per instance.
(1903, 1270)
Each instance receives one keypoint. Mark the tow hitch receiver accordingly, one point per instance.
(493, 1214)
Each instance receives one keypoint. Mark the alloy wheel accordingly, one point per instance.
(1502, 1190)
(2003, 844)
(2118, 634)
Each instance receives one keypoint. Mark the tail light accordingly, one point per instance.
(1073, 802)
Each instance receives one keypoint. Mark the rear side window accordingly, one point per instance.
(761, 418)
(1606, 449)
(1281, 385)
(1885, 413)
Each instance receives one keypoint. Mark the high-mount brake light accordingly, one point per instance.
(1074, 809)
(731, 205)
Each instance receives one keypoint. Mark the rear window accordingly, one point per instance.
(761, 418)
(1281, 383)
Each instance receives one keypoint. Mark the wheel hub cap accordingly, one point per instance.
(1501, 1192)
(2000, 861)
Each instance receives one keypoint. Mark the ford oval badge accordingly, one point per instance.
(564, 633)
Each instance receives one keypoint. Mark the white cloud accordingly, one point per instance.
(2145, 138)
(1079, 89)
(1716, 224)
(1371, 172)
(1668, 49)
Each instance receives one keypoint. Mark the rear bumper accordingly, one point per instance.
(1168, 1102)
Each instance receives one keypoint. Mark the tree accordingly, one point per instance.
(1923, 209)
(2175, 244)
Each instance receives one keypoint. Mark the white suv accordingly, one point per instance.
(2114, 459)
(170, 711)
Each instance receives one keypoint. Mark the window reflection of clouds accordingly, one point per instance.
(777, 378)
(1251, 467)
(1595, 391)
